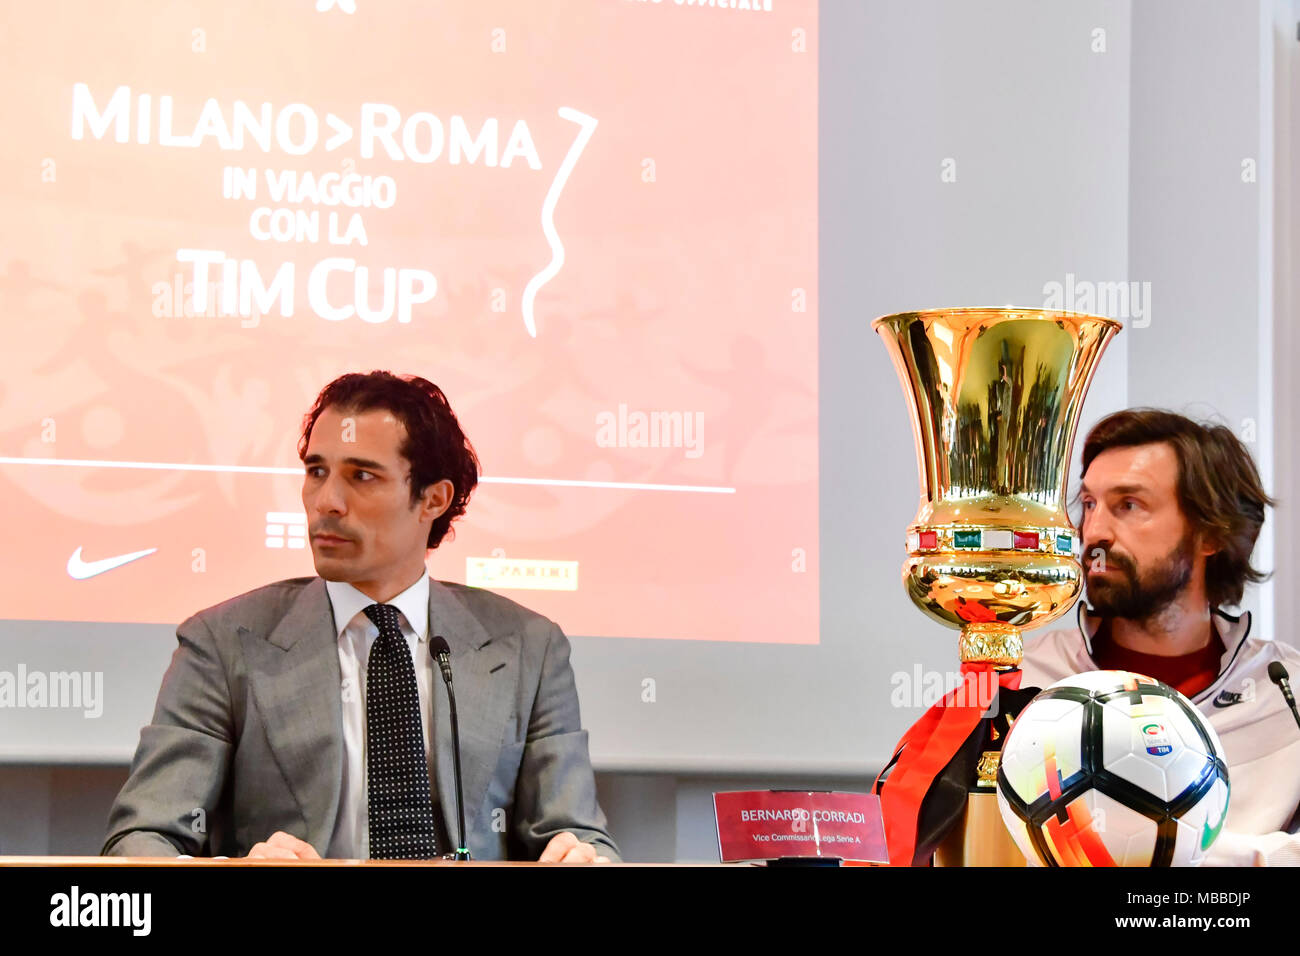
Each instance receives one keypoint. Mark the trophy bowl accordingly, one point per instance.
(994, 396)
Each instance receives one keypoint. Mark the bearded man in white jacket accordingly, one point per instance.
(1171, 509)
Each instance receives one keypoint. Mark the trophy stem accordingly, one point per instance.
(999, 646)
(991, 642)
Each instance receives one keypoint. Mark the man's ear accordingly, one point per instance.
(436, 499)
(1206, 545)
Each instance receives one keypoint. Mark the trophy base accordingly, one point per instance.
(980, 838)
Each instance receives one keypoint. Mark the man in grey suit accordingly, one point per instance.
(306, 718)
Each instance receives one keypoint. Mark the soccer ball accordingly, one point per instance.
(1110, 768)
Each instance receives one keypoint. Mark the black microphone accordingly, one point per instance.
(1278, 675)
(442, 654)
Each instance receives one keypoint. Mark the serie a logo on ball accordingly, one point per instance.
(1157, 740)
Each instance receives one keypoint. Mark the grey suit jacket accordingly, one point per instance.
(247, 735)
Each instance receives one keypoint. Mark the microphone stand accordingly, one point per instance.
(443, 655)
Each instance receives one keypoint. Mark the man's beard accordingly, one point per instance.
(1137, 596)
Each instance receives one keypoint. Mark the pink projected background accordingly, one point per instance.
(593, 224)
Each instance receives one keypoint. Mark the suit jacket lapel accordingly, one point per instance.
(294, 675)
(484, 685)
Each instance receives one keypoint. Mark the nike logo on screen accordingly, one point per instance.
(81, 570)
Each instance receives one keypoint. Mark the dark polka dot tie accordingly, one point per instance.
(401, 807)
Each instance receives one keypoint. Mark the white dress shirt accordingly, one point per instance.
(356, 635)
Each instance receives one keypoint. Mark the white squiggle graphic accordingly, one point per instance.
(588, 126)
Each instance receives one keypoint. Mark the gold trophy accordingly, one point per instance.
(995, 396)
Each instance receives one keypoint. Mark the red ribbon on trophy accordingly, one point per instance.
(926, 749)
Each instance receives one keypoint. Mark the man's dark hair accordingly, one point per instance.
(1219, 490)
(434, 444)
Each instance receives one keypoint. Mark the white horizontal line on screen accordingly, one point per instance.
(273, 470)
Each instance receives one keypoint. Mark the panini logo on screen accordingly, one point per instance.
(750, 6)
(521, 573)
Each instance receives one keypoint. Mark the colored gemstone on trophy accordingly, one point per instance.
(928, 539)
(1064, 544)
(1027, 540)
(995, 538)
(966, 539)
